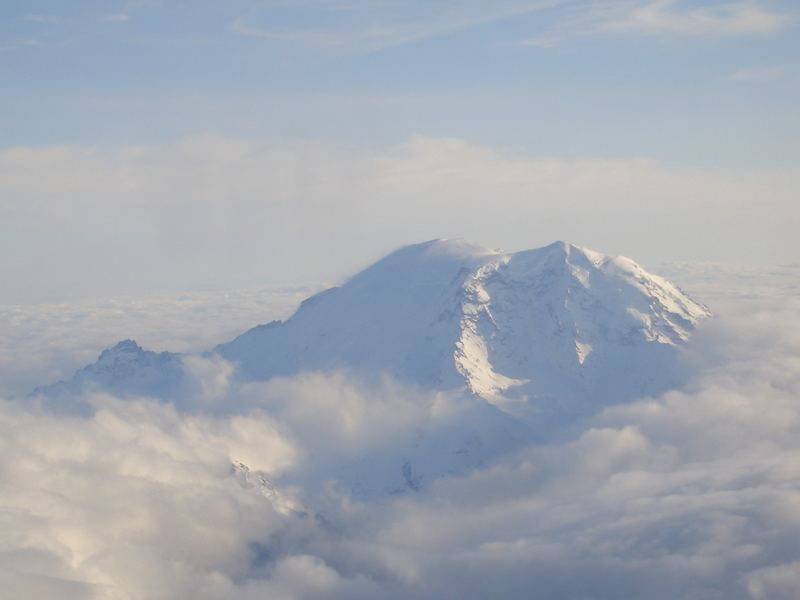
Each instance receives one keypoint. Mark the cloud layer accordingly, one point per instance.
(77, 219)
(693, 494)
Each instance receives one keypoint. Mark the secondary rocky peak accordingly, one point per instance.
(129, 347)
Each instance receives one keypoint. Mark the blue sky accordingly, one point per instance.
(709, 89)
(679, 81)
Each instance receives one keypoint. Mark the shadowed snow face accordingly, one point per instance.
(691, 494)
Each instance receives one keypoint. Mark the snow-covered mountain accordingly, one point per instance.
(547, 329)
(519, 346)
(543, 330)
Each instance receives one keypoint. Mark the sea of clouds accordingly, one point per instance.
(693, 494)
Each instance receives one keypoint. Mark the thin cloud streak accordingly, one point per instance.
(660, 18)
(667, 17)
(42, 19)
(373, 27)
(757, 74)
(376, 29)
(116, 18)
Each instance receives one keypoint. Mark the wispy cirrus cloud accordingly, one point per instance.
(375, 25)
(661, 18)
(674, 17)
(757, 74)
(116, 18)
(42, 19)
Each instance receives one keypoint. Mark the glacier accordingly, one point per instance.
(556, 328)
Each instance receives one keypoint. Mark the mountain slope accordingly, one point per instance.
(559, 325)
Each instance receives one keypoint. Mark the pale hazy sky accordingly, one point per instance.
(151, 145)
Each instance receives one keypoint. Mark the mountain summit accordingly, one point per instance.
(559, 325)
